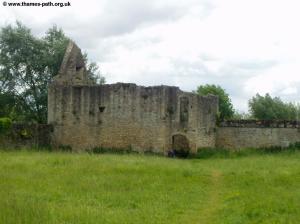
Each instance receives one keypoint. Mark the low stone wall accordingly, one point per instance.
(230, 134)
(256, 134)
(27, 135)
(260, 124)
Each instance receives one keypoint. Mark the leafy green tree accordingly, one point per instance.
(94, 71)
(27, 64)
(22, 68)
(268, 108)
(9, 106)
(226, 110)
(241, 116)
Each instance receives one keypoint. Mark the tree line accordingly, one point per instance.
(28, 63)
(261, 107)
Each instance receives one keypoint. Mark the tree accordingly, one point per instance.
(27, 64)
(268, 108)
(225, 106)
(93, 71)
(241, 116)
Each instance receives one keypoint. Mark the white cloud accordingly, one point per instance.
(281, 80)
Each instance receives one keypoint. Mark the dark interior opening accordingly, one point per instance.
(78, 67)
(101, 109)
(180, 146)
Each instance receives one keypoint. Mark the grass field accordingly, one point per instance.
(44, 187)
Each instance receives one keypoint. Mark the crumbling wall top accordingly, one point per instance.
(73, 69)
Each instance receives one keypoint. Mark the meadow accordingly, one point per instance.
(61, 187)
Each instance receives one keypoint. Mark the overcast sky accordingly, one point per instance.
(246, 46)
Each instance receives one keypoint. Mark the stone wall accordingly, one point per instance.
(256, 134)
(27, 135)
(157, 119)
(126, 115)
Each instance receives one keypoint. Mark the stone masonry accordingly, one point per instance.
(239, 134)
(124, 115)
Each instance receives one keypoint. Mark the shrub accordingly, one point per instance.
(25, 134)
(295, 145)
(204, 153)
(5, 125)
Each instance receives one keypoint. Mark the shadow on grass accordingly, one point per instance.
(122, 151)
(206, 153)
(102, 150)
(45, 148)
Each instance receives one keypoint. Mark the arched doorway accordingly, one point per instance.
(180, 145)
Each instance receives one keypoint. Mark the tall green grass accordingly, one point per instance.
(61, 187)
(206, 153)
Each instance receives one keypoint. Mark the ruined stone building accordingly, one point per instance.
(122, 115)
(157, 118)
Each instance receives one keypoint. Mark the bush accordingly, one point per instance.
(5, 125)
(204, 153)
(25, 134)
(295, 145)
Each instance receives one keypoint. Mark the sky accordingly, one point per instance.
(245, 46)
